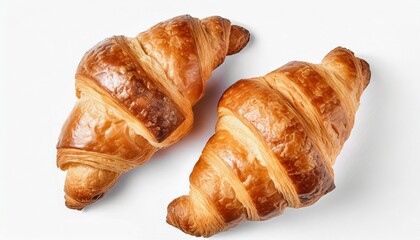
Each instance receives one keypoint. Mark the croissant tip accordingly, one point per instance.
(365, 72)
(178, 215)
(172, 213)
(73, 204)
(239, 38)
(365, 68)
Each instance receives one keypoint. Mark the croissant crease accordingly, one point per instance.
(276, 139)
(135, 96)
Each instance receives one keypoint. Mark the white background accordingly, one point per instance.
(377, 174)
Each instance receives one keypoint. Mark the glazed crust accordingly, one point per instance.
(112, 67)
(135, 96)
(277, 137)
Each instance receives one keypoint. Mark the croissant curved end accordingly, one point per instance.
(177, 214)
(239, 38)
(181, 215)
(85, 185)
(365, 72)
(74, 204)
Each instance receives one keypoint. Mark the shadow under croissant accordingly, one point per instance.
(205, 116)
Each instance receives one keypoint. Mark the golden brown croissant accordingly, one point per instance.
(276, 139)
(135, 97)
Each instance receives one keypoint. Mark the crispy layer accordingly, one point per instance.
(93, 127)
(269, 114)
(342, 121)
(155, 71)
(266, 201)
(241, 194)
(245, 133)
(221, 29)
(85, 185)
(172, 44)
(218, 191)
(112, 68)
(317, 102)
(352, 71)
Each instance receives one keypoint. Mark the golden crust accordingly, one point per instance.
(110, 66)
(272, 118)
(135, 97)
(278, 136)
(93, 127)
(250, 173)
(173, 45)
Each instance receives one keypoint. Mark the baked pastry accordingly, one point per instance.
(276, 139)
(135, 96)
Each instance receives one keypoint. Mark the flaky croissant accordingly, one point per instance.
(135, 97)
(276, 139)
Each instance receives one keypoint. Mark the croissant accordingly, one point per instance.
(135, 96)
(276, 139)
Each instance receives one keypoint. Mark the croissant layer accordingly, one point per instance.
(277, 137)
(135, 96)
